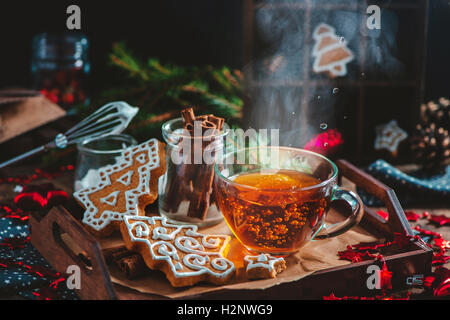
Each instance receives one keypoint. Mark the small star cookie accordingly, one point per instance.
(389, 136)
(124, 188)
(263, 266)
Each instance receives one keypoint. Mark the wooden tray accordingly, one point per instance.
(48, 235)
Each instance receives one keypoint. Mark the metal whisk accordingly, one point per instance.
(112, 118)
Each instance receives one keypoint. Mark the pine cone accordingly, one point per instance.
(438, 113)
(430, 142)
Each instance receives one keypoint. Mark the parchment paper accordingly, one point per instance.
(314, 256)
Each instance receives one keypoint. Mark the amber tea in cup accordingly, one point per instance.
(277, 208)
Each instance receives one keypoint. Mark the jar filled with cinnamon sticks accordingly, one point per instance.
(194, 144)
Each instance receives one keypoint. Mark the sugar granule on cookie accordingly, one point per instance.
(183, 254)
(263, 266)
(124, 188)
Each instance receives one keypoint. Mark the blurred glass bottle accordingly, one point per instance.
(60, 67)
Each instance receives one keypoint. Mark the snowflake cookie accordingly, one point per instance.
(124, 188)
(183, 254)
(263, 266)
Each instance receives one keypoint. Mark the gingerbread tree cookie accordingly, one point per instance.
(263, 266)
(185, 256)
(124, 188)
(330, 53)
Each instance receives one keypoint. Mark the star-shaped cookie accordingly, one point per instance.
(389, 137)
(263, 266)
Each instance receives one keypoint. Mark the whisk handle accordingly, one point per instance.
(23, 156)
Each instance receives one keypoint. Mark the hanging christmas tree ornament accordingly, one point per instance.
(330, 52)
(430, 141)
(389, 136)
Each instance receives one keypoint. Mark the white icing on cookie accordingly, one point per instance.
(262, 258)
(204, 253)
(389, 136)
(265, 261)
(328, 44)
(148, 160)
(142, 230)
(178, 266)
(110, 199)
(126, 178)
(141, 159)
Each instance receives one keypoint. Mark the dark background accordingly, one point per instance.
(187, 32)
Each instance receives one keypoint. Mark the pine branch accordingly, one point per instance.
(163, 89)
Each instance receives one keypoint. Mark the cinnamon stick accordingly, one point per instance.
(217, 121)
(113, 254)
(130, 263)
(199, 205)
(193, 182)
(188, 115)
(204, 174)
(133, 266)
(180, 176)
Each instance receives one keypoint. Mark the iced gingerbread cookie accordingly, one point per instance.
(263, 266)
(124, 188)
(389, 136)
(330, 53)
(185, 256)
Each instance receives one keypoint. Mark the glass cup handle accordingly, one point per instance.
(328, 231)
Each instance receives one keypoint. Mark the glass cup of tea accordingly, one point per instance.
(275, 199)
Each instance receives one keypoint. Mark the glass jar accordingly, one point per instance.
(185, 191)
(60, 67)
(96, 153)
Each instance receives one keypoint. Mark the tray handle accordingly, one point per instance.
(64, 242)
(396, 221)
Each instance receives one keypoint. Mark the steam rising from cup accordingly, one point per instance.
(283, 88)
